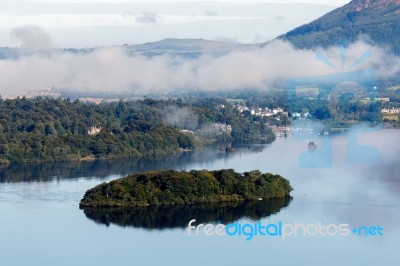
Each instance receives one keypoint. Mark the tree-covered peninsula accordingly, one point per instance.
(168, 187)
(46, 129)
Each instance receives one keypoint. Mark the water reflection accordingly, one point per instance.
(177, 216)
(39, 214)
(104, 168)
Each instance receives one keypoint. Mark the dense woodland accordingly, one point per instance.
(197, 186)
(380, 24)
(45, 129)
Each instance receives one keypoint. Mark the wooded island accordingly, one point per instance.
(168, 187)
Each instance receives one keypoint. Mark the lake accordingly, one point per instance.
(351, 179)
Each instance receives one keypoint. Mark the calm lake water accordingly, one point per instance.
(339, 183)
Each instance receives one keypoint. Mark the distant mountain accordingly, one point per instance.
(379, 19)
(186, 47)
(189, 48)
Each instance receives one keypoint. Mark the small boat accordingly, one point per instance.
(311, 146)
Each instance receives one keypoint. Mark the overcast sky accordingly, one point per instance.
(325, 2)
(86, 23)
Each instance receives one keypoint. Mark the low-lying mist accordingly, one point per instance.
(112, 69)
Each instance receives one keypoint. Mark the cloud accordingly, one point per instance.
(112, 69)
(279, 18)
(210, 13)
(32, 37)
(259, 38)
(180, 117)
(147, 18)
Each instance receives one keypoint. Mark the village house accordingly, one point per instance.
(93, 130)
(223, 128)
(390, 111)
(186, 132)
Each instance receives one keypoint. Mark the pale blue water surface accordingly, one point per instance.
(41, 223)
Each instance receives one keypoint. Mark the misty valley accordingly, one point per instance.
(199, 132)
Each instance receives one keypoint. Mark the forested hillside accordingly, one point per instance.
(36, 130)
(378, 21)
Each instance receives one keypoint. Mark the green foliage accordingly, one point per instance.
(197, 186)
(43, 129)
(37, 130)
(381, 25)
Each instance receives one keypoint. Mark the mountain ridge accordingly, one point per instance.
(377, 4)
(379, 20)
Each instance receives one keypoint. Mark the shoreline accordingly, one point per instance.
(171, 187)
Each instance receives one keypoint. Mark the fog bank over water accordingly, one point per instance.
(113, 70)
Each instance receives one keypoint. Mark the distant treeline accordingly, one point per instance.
(45, 129)
(194, 187)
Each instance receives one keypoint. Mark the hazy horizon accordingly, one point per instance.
(85, 24)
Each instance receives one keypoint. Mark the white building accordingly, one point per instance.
(93, 130)
(186, 132)
(390, 111)
(223, 128)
